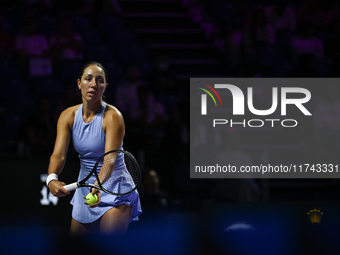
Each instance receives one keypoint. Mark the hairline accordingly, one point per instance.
(93, 63)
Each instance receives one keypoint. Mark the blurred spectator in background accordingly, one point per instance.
(209, 27)
(33, 50)
(161, 79)
(281, 16)
(151, 193)
(235, 39)
(126, 99)
(304, 42)
(312, 12)
(259, 35)
(332, 44)
(174, 146)
(69, 99)
(66, 45)
(259, 32)
(176, 137)
(306, 67)
(240, 16)
(147, 120)
(234, 48)
(37, 132)
(6, 42)
(148, 113)
(196, 10)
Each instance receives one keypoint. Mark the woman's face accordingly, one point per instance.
(92, 83)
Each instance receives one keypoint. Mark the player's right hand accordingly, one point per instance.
(57, 188)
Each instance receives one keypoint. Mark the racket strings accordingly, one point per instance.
(133, 168)
(119, 177)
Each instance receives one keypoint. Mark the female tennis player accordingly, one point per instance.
(95, 128)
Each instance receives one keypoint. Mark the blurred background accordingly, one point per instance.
(151, 49)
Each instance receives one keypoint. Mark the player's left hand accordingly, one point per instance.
(97, 192)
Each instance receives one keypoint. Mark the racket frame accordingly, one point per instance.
(83, 183)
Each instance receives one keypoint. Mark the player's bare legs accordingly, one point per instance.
(78, 229)
(116, 220)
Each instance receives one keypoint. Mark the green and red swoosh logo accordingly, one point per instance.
(211, 95)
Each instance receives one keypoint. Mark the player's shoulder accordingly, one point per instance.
(112, 113)
(69, 113)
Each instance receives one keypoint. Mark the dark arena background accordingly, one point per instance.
(151, 49)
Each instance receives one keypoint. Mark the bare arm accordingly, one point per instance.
(114, 129)
(58, 157)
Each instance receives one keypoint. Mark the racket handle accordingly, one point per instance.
(71, 186)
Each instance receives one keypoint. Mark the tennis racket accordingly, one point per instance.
(117, 173)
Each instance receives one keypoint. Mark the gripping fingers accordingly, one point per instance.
(65, 191)
(94, 192)
(57, 189)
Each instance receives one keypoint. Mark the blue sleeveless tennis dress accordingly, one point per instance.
(89, 142)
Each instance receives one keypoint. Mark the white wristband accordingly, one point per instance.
(50, 178)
